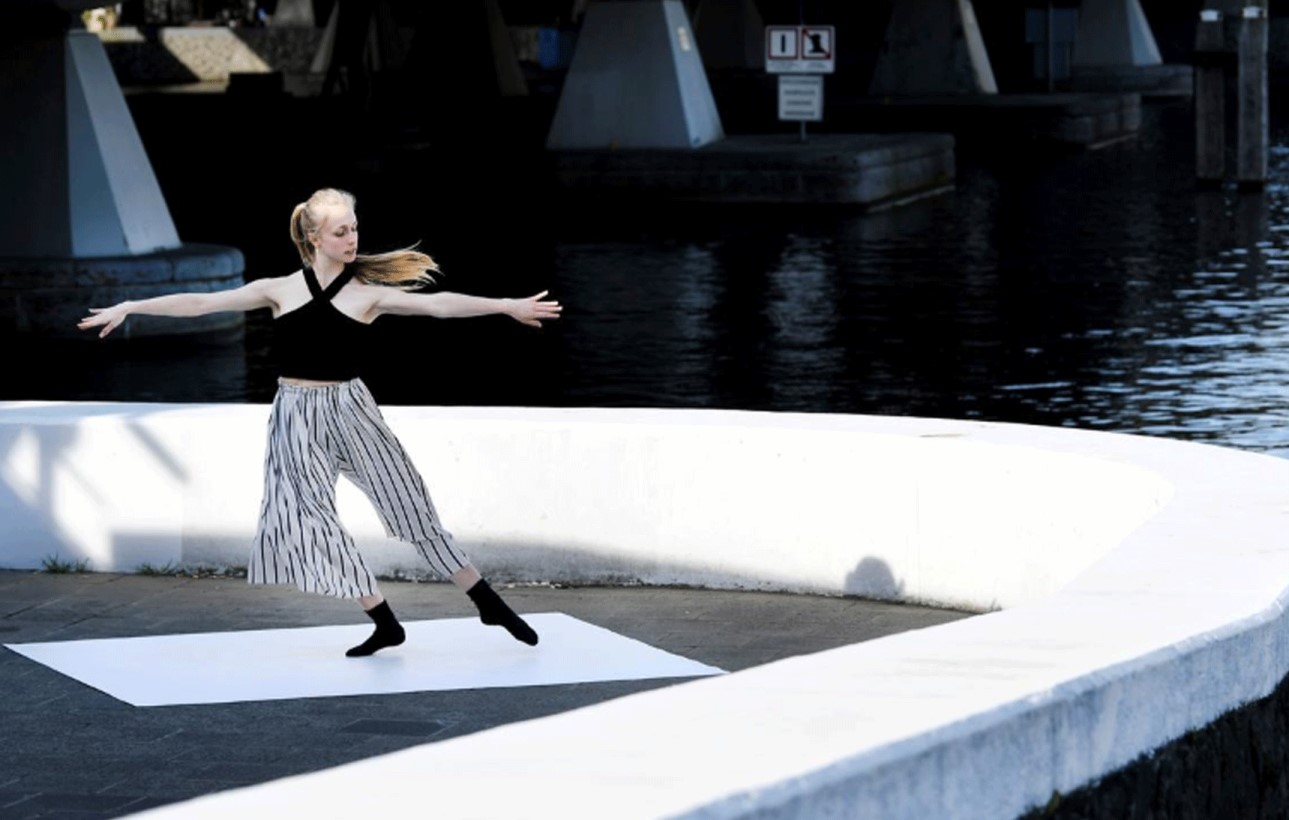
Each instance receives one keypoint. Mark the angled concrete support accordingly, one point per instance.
(84, 221)
(731, 34)
(1115, 50)
(359, 39)
(636, 81)
(1114, 33)
(71, 152)
(510, 77)
(460, 51)
(933, 47)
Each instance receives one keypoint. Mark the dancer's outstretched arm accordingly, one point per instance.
(257, 294)
(446, 305)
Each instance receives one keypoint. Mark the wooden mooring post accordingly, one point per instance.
(1231, 45)
(1211, 58)
(1251, 137)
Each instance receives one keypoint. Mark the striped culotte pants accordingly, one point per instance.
(315, 434)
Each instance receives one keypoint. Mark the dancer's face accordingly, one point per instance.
(337, 236)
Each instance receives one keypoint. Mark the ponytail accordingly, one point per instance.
(406, 268)
(300, 233)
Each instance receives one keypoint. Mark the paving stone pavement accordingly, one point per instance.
(70, 751)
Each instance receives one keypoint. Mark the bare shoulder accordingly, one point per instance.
(283, 292)
(384, 293)
(366, 299)
(276, 284)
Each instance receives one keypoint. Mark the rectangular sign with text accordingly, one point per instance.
(801, 98)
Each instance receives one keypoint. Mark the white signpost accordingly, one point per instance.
(799, 55)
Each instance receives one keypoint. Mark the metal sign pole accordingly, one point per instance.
(800, 55)
(801, 21)
(1051, 56)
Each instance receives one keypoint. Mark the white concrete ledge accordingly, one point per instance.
(1141, 583)
(953, 514)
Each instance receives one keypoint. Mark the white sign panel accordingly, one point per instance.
(801, 98)
(800, 49)
(782, 43)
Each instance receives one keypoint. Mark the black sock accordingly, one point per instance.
(388, 632)
(494, 612)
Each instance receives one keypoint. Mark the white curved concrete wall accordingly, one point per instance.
(1145, 581)
(911, 510)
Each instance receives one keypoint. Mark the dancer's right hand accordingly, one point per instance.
(107, 318)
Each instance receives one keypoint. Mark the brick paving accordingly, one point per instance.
(70, 751)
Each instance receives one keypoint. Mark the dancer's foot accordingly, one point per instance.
(494, 612)
(389, 632)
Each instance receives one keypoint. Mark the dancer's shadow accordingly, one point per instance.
(872, 578)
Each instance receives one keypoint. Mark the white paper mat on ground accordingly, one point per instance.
(274, 664)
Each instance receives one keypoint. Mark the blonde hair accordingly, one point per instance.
(406, 268)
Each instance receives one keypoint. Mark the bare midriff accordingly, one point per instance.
(307, 382)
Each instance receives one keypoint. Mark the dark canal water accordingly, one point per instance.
(1098, 290)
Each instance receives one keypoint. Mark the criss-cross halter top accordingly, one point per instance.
(317, 341)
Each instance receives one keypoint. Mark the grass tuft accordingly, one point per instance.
(57, 566)
(168, 568)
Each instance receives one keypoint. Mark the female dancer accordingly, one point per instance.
(324, 421)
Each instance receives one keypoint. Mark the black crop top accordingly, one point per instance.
(316, 341)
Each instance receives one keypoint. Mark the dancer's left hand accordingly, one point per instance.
(534, 309)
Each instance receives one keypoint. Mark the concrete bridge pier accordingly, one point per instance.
(84, 222)
(933, 47)
(1115, 50)
(934, 74)
(636, 117)
(731, 38)
(646, 47)
(731, 35)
